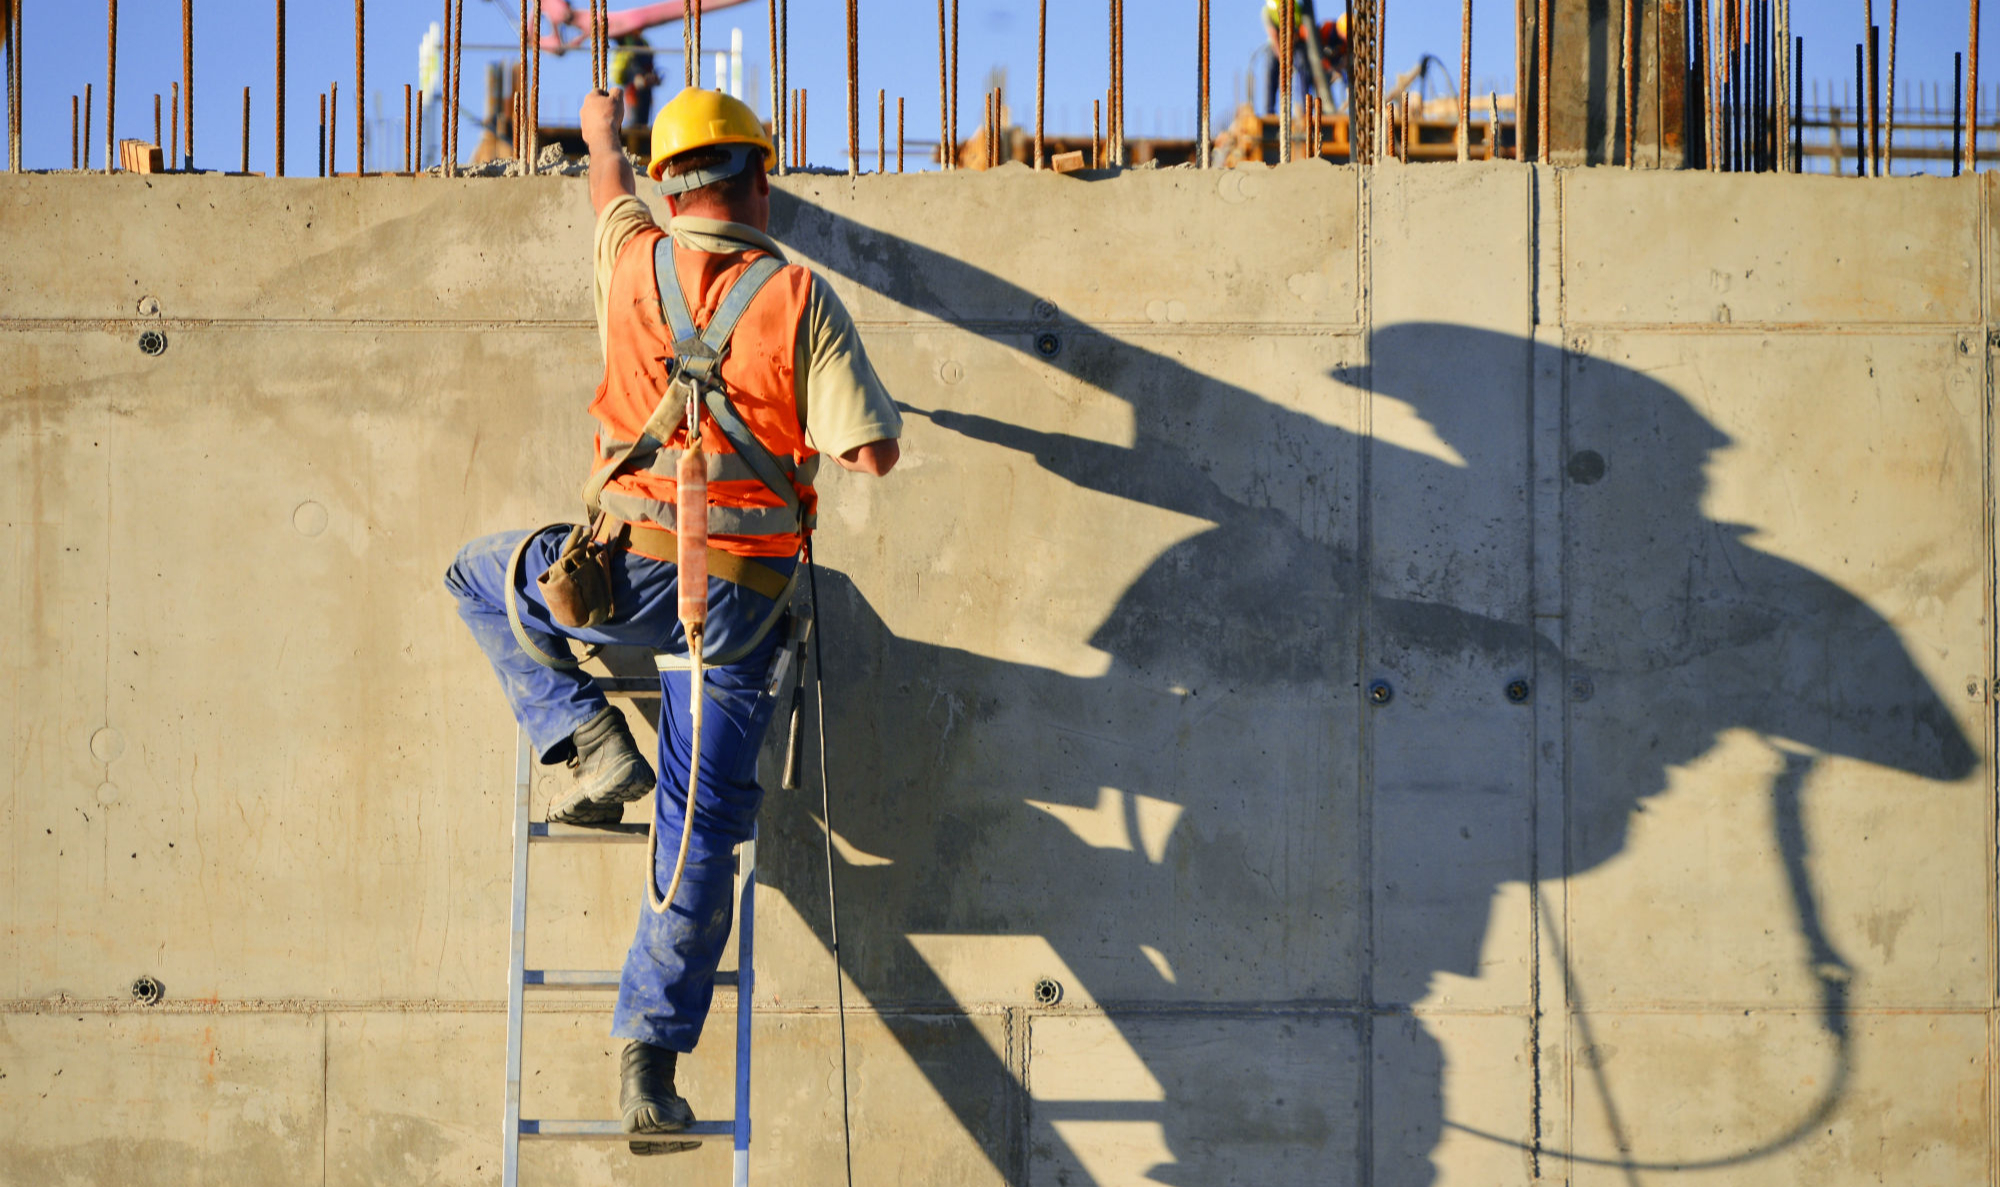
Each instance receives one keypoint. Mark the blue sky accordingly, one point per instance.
(65, 42)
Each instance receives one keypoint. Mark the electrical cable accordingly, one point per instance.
(826, 823)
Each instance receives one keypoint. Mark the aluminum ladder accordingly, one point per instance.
(521, 978)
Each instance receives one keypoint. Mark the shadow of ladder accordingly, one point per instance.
(521, 978)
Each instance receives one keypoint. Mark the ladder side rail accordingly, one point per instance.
(510, 1158)
(746, 984)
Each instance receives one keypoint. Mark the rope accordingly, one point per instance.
(660, 905)
(826, 816)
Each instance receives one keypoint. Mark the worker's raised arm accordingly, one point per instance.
(610, 173)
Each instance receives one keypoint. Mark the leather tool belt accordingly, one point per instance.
(657, 541)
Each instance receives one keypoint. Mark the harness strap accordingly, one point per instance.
(751, 450)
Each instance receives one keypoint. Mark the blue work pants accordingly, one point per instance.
(669, 973)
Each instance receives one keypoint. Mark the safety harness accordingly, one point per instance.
(694, 385)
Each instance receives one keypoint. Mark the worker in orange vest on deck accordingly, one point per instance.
(795, 383)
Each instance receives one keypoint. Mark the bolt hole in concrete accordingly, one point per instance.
(1045, 310)
(950, 372)
(107, 744)
(148, 991)
(1586, 466)
(149, 307)
(1518, 691)
(152, 342)
(1581, 689)
(309, 518)
(1379, 693)
(1048, 346)
(1048, 991)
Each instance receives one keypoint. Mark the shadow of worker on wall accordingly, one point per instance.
(1186, 836)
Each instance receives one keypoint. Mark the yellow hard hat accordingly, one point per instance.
(699, 119)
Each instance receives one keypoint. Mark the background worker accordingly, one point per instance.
(633, 70)
(1334, 57)
(797, 375)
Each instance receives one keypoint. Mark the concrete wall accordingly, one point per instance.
(1656, 509)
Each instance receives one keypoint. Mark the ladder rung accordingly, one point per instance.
(581, 834)
(614, 1131)
(595, 978)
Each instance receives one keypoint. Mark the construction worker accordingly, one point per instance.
(794, 348)
(1335, 58)
(633, 70)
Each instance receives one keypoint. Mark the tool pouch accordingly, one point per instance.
(577, 587)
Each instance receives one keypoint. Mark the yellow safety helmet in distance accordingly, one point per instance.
(698, 118)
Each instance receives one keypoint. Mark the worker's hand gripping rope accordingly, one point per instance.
(691, 556)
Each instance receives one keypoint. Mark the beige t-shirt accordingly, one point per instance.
(843, 399)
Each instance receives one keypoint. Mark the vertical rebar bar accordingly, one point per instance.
(360, 88)
(278, 92)
(73, 155)
(954, 84)
(1875, 100)
(784, 46)
(445, 95)
(1492, 125)
(1041, 75)
(1889, 81)
(780, 143)
(1285, 55)
(1465, 82)
(690, 56)
(408, 148)
(944, 90)
(802, 128)
(521, 88)
(696, 34)
(899, 133)
(173, 125)
(853, 91)
(417, 147)
(13, 100)
(1118, 149)
(1712, 43)
(455, 52)
(1204, 144)
(535, 95)
(1096, 134)
(245, 170)
(1798, 69)
(1957, 113)
(110, 85)
(1628, 83)
(322, 134)
(187, 81)
(157, 125)
(881, 131)
(1972, 93)
(86, 125)
(1860, 110)
(333, 129)
(1542, 103)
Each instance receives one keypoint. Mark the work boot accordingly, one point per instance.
(647, 1099)
(610, 772)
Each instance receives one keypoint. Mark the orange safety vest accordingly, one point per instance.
(745, 516)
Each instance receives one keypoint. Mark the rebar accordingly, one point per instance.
(690, 57)
(1204, 155)
(110, 84)
(535, 96)
(853, 92)
(417, 138)
(1972, 93)
(780, 143)
(899, 133)
(1041, 75)
(693, 32)
(187, 80)
(7, 31)
(157, 125)
(784, 48)
(1875, 100)
(944, 91)
(802, 128)
(1628, 78)
(1492, 126)
(1712, 44)
(73, 156)
(1957, 113)
(1798, 119)
(360, 88)
(1889, 116)
(1861, 110)
(333, 129)
(1286, 52)
(86, 125)
(521, 89)
(954, 84)
(454, 51)
(322, 134)
(1542, 104)
(278, 89)
(408, 149)
(881, 131)
(245, 170)
(1118, 141)
(173, 124)
(1096, 134)
(1465, 83)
